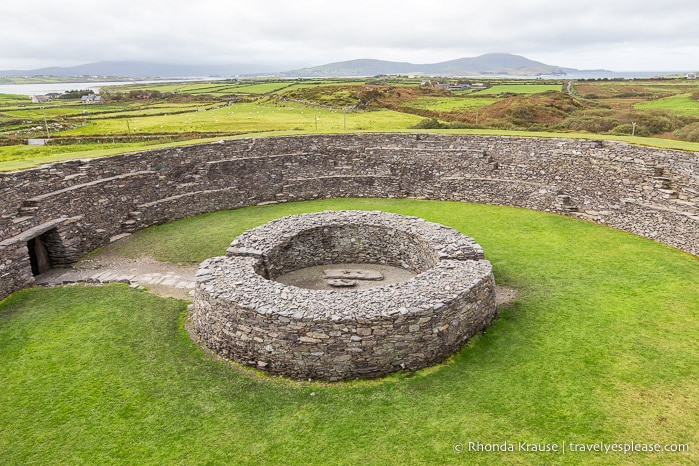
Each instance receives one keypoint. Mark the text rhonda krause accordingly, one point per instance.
(572, 447)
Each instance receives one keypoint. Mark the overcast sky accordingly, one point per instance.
(620, 35)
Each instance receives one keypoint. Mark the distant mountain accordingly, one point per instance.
(134, 69)
(361, 67)
(488, 64)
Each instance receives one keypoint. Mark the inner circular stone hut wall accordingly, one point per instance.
(334, 244)
(242, 314)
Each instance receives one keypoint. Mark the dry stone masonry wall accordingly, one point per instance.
(242, 314)
(83, 204)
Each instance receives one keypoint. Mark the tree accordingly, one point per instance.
(76, 93)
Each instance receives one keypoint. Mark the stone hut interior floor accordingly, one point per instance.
(312, 277)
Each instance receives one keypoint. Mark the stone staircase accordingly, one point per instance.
(28, 208)
(132, 222)
(686, 200)
(565, 203)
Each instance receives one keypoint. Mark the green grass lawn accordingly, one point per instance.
(600, 346)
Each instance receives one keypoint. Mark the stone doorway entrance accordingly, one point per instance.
(46, 251)
(38, 256)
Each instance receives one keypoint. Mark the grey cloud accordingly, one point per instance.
(314, 32)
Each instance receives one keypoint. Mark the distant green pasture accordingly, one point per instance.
(251, 116)
(35, 111)
(266, 117)
(324, 83)
(682, 104)
(183, 87)
(235, 88)
(603, 89)
(261, 88)
(239, 87)
(450, 104)
(38, 111)
(520, 89)
(13, 99)
(90, 117)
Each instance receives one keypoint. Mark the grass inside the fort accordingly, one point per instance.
(600, 346)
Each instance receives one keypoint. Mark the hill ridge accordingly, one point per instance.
(487, 64)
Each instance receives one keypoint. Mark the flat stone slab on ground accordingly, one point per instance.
(352, 274)
(161, 278)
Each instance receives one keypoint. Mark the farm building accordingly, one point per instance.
(91, 99)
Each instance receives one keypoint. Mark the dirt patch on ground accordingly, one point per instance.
(504, 296)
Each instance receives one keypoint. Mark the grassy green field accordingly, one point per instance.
(74, 110)
(450, 104)
(244, 116)
(324, 83)
(599, 346)
(681, 104)
(252, 117)
(651, 87)
(12, 99)
(262, 88)
(222, 88)
(178, 87)
(519, 89)
(198, 111)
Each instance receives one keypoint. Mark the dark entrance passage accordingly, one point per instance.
(38, 256)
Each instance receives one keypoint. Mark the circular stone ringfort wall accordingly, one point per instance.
(242, 313)
(50, 216)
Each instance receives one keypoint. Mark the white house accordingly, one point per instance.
(40, 99)
(91, 99)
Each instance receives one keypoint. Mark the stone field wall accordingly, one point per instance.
(82, 204)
